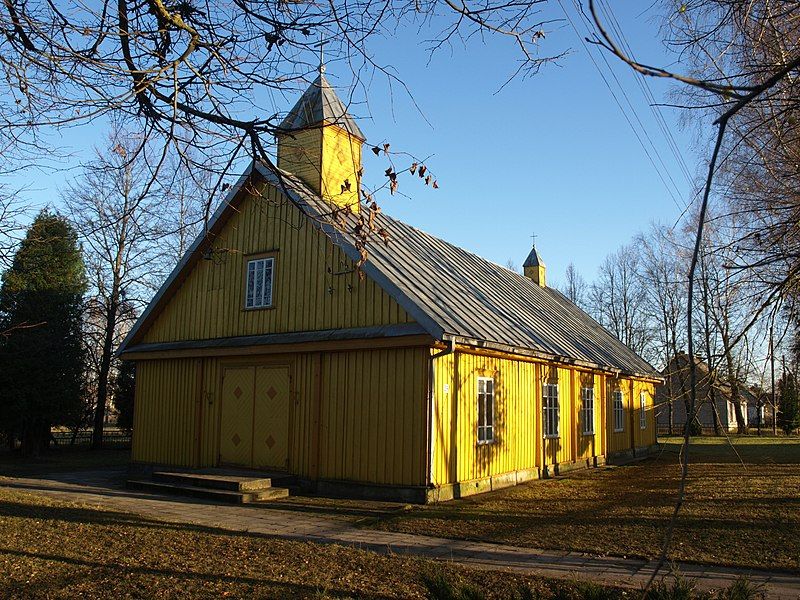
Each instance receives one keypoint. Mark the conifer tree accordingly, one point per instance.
(41, 298)
(789, 415)
(123, 394)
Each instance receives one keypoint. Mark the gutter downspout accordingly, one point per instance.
(432, 405)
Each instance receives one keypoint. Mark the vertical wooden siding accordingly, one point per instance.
(372, 416)
(457, 454)
(646, 436)
(165, 411)
(301, 153)
(356, 416)
(519, 443)
(315, 285)
(341, 161)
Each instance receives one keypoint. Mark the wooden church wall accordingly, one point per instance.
(315, 286)
(519, 443)
(355, 416)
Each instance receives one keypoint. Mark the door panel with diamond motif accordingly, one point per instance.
(271, 417)
(236, 426)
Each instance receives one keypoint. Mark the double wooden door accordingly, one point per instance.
(254, 424)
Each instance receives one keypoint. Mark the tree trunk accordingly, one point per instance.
(671, 416)
(35, 437)
(715, 413)
(733, 382)
(105, 367)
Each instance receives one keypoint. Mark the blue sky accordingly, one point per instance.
(551, 154)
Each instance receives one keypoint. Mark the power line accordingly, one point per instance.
(644, 85)
(617, 101)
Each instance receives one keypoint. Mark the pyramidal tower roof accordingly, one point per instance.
(320, 104)
(533, 259)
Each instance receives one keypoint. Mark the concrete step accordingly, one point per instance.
(222, 495)
(233, 483)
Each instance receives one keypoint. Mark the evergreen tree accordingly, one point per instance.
(789, 415)
(124, 390)
(42, 355)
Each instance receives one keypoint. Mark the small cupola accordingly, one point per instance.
(534, 268)
(320, 143)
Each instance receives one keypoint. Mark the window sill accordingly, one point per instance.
(552, 437)
(485, 442)
(252, 308)
(588, 433)
(619, 431)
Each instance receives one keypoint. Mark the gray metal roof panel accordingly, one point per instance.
(320, 104)
(533, 259)
(470, 297)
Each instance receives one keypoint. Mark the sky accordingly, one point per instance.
(553, 155)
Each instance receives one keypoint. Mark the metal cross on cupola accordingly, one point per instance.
(321, 46)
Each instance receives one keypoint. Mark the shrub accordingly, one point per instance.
(742, 589)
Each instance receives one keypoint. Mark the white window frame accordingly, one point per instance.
(486, 399)
(618, 410)
(551, 411)
(261, 295)
(587, 410)
(642, 410)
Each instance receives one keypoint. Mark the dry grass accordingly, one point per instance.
(746, 516)
(54, 549)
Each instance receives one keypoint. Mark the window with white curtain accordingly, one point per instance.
(259, 283)
(485, 410)
(643, 410)
(587, 410)
(619, 411)
(551, 410)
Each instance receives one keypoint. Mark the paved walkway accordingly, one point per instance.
(105, 488)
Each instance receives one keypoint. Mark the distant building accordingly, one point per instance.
(672, 395)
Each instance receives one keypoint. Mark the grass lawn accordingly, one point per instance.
(55, 549)
(746, 516)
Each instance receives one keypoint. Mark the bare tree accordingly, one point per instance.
(122, 223)
(205, 75)
(661, 267)
(575, 287)
(618, 300)
(745, 57)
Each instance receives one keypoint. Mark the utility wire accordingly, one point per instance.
(671, 190)
(644, 85)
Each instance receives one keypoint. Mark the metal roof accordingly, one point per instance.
(456, 294)
(320, 104)
(533, 259)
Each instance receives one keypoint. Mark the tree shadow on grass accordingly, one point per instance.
(47, 586)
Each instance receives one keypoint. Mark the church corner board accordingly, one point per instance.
(437, 375)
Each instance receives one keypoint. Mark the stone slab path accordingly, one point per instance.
(104, 488)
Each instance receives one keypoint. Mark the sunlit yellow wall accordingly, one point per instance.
(619, 440)
(300, 153)
(355, 416)
(315, 284)
(646, 436)
(588, 446)
(372, 416)
(341, 162)
(519, 442)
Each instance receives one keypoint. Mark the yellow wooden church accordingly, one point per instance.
(437, 375)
